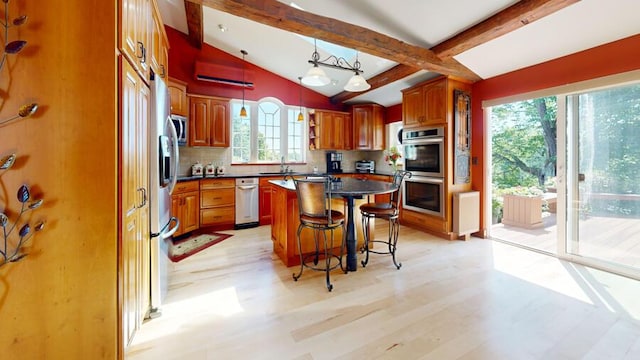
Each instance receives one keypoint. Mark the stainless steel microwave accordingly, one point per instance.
(182, 128)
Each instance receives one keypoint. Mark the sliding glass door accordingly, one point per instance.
(603, 178)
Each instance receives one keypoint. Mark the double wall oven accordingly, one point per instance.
(424, 156)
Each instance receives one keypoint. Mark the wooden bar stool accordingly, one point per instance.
(387, 211)
(314, 207)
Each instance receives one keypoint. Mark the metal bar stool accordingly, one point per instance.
(387, 211)
(314, 206)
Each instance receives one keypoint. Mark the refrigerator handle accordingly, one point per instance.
(175, 156)
(165, 232)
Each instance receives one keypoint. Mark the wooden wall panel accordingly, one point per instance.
(61, 300)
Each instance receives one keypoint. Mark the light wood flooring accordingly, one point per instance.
(475, 299)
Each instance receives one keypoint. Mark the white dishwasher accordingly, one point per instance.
(247, 205)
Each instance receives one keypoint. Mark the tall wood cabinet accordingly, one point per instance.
(368, 127)
(432, 104)
(329, 129)
(209, 121)
(143, 44)
(135, 232)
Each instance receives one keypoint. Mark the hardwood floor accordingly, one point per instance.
(475, 299)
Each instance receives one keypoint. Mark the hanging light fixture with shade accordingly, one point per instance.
(357, 82)
(300, 116)
(243, 110)
(317, 77)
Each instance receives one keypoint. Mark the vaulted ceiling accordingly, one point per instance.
(401, 42)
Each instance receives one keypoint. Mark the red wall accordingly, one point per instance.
(182, 57)
(613, 58)
(394, 113)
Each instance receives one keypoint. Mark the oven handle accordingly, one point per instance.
(426, 180)
(432, 140)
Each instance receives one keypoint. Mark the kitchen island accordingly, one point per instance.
(285, 221)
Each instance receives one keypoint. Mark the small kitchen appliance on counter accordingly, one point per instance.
(334, 162)
(365, 166)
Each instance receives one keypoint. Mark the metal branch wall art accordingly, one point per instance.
(15, 234)
(10, 48)
(16, 46)
(11, 248)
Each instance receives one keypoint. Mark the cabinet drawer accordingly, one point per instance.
(217, 183)
(217, 197)
(186, 186)
(217, 216)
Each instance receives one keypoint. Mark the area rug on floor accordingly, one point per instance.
(183, 248)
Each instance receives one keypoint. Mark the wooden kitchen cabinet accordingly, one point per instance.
(135, 232)
(431, 103)
(348, 133)
(209, 121)
(185, 205)
(425, 104)
(135, 34)
(327, 130)
(412, 107)
(217, 202)
(368, 127)
(265, 196)
(178, 96)
(159, 49)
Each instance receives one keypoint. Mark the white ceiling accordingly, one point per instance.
(424, 23)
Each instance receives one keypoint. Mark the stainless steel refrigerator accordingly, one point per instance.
(163, 171)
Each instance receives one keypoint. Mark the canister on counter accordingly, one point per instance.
(209, 170)
(196, 169)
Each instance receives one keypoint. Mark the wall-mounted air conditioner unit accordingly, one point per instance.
(223, 74)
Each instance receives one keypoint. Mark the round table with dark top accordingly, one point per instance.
(350, 189)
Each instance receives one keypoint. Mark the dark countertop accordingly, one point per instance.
(347, 186)
(233, 176)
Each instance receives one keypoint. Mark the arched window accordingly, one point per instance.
(269, 133)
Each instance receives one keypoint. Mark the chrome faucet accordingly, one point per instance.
(282, 168)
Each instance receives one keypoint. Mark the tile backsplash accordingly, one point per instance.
(222, 157)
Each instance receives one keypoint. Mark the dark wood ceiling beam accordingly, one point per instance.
(512, 18)
(394, 74)
(285, 17)
(194, 23)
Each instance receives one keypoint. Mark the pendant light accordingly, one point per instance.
(243, 110)
(357, 83)
(300, 116)
(315, 76)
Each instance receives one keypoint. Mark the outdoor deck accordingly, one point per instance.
(610, 238)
